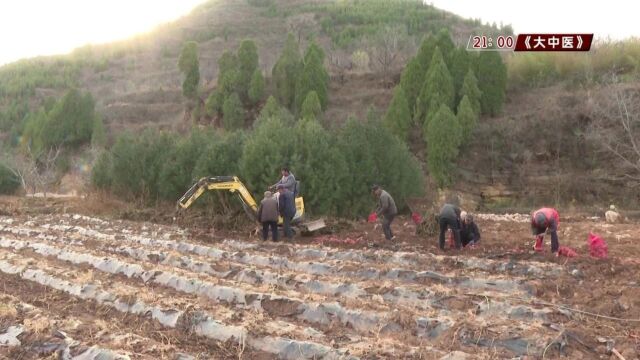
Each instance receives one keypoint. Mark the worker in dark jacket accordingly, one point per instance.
(449, 219)
(387, 209)
(542, 220)
(469, 231)
(268, 216)
(287, 207)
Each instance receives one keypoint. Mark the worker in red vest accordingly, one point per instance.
(543, 220)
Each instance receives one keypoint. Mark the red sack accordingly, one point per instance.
(567, 251)
(373, 217)
(597, 246)
(417, 218)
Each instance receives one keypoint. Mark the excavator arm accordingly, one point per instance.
(235, 186)
(229, 183)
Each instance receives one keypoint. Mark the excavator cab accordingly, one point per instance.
(235, 186)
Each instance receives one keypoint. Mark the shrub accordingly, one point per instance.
(9, 182)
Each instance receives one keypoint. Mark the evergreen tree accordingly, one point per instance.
(221, 156)
(272, 109)
(471, 91)
(256, 88)
(321, 166)
(375, 156)
(175, 176)
(70, 121)
(33, 135)
(314, 77)
(269, 147)
(411, 82)
(443, 136)
(398, 118)
(413, 76)
(311, 107)
(101, 176)
(247, 65)
(492, 81)
(211, 106)
(445, 44)
(189, 65)
(98, 135)
(233, 113)
(467, 118)
(228, 62)
(314, 52)
(437, 89)
(286, 72)
(425, 52)
(460, 66)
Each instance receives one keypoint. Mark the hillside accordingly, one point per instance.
(137, 85)
(136, 82)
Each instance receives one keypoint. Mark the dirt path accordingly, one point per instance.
(160, 292)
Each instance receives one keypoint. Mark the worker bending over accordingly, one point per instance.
(469, 231)
(543, 220)
(387, 209)
(449, 219)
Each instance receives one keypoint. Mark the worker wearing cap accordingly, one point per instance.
(387, 209)
(543, 220)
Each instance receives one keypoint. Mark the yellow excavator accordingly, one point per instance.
(235, 186)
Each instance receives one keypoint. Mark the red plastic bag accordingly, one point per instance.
(373, 217)
(417, 218)
(567, 251)
(597, 246)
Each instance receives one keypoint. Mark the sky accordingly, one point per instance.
(46, 27)
(616, 19)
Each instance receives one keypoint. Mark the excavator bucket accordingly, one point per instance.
(311, 226)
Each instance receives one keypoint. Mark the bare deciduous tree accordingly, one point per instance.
(299, 25)
(339, 64)
(615, 126)
(35, 172)
(388, 44)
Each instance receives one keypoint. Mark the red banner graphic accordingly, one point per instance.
(554, 42)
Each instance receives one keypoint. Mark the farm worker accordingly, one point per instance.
(542, 220)
(268, 216)
(387, 209)
(287, 180)
(449, 219)
(612, 216)
(469, 231)
(287, 207)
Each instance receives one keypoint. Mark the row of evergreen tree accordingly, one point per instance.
(241, 85)
(336, 168)
(438, 80)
